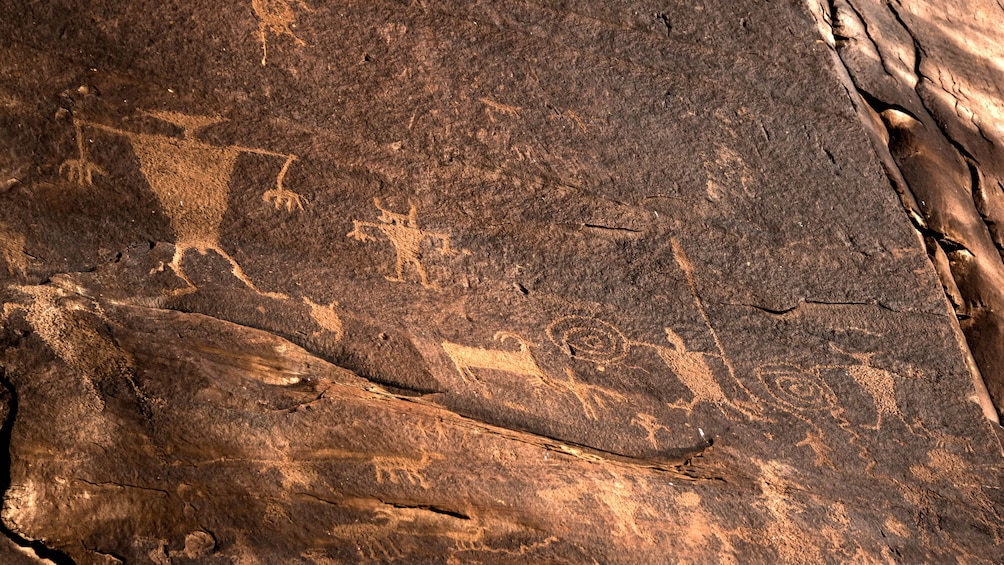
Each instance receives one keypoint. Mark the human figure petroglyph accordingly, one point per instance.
(181, 170)
(403, 232)
(592, 398)
(520, 362)
(276, 16)
(649, 423)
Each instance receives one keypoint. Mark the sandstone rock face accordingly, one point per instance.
(570, 282)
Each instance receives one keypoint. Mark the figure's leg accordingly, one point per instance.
(422, 274)
(175, 264)
(399, 268)
(238, 272)
(264, 42)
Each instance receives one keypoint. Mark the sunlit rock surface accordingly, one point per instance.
(564, 282)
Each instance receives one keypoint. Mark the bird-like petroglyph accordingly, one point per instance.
(191, 180)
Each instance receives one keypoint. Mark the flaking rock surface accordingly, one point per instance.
(323, 282)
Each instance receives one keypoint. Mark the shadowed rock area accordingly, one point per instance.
(500, 282)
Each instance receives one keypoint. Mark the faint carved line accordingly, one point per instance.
(12, 246)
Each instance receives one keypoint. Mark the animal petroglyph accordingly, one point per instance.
(276, 16)
(878, 383)
(402, 231)
(326, 317)
(191, 180)
(602, 343)
(12, 250)
(492, 106)
(520, 362)
(402, 470)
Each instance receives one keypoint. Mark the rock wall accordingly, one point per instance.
(570, 282)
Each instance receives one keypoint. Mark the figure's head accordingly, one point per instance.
(189, 124)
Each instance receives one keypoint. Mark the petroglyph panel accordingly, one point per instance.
(555, 282)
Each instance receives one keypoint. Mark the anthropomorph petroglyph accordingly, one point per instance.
(520, 362)
(402, 231)
(191, 180)
(276, 16)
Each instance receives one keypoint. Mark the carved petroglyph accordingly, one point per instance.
(520, 362)
(602, 343)
(402, 470)
(326, 317)
(589, 339)
(814, 441)
(62, 322)
(12, 251)
(404, 233)
(649, 423)
(797, 390)
(191, 180)
(726, 173)
(276, 16)
(592, 398)
(492, 106)
(878, 383)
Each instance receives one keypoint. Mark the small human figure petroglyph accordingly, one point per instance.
(191, 179)
(649, 423)
(276, 16)
(402, 231)
(592, 398)
(520, 362)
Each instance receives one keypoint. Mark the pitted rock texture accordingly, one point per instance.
(564, 282)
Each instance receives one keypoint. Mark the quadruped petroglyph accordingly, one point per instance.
(403, 232)
(191, 180)
(276, 16)
(520, 362)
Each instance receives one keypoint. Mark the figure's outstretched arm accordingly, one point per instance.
(280, 196)
(358, 233)
(81, 170)
(444, 241)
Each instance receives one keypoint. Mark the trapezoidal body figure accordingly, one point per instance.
(402, 231)
(191, 180)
